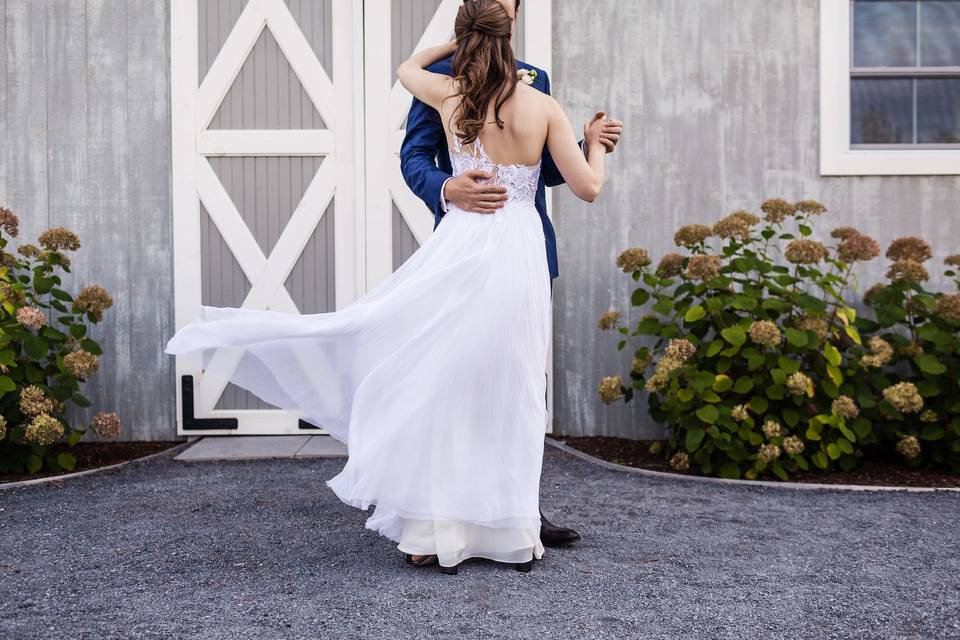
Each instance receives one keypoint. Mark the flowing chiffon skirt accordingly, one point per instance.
(435, 380)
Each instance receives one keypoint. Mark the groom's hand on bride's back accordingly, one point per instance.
(470, 193)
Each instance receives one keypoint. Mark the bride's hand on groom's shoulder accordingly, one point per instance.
(603, 130)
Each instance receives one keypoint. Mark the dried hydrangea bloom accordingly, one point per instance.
(732, 227)
(746, 216)
(845, 406)
(871, 296)
(661, 373)
(704, 268)
(793, 445)
(948, 307)
(59, 239)
(911, 350)
(904, 396)
(952, 260)
(680, 349)
(8, 259)
(929, 416)
(655, 448)
(810, 207)
(842, 233)
(106, 425)
(768, 453)
(93, 299)
(670, 265)
(907, 271)
(3, 427)
(880, 352)
(909, 447)
(739, 413)
(804, 251)
(640, 364)
(810, 322)
(81, 364)
(12, 294)
(29, 250)
(609, 320)
(777, 210)
(33, 401)
(909, 248)
(691, 235)
(680, 461)
(609, 389)
(43, 430)
(633, 259)
(47, 254)
(858, 248)
(798, 383)
(765, 332)
(772, 429)
(9, 222)
(31, 317)
(916, 307)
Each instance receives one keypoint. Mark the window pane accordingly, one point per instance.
(940, 34)
(885, 33)
(938, 113)
(881, 110)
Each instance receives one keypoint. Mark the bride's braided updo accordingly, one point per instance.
(483, 64)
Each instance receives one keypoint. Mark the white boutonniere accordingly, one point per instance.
(526, 76)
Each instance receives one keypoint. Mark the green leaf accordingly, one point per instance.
(813, 433)
(820, 460)
(639, 297)
(34, 463)
(929, 363)
(789, 366)
(779, 376)
(791, 417)
(714, 348)
(862, 427)
(931, 432)
(694, 438)
(664, 306)
(853, 333)
(847, 433)
(831, 354)
(730, 470)
(709, 396)
(6, 384)
(722, 383)
(779, 470)
(743, 385)
(845, 445)
(694, 313)
(92, 346)
(835, 374)
(759, 404)
(805, 229)
(708, 414)
(66, 460)
(833, 450)
(796, 337)
(735, 335)
(61, 294)
(36, 347)
(80, 400)
(78, 330)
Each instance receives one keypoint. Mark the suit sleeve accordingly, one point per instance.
(548, 168)
(418, 155)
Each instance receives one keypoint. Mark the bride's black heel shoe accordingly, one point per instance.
(423, 562)
(450, 570)
(524, 567)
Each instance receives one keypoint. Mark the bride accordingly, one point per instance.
(434, 378)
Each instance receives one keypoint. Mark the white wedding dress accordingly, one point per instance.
(434, 379)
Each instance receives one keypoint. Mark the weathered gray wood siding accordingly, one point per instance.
(720, 101)
(85, 144)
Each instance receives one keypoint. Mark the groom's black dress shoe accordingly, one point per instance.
(553, 536)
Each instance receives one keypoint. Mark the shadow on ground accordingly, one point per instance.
(263, 549)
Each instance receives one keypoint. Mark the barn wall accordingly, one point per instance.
(720, 101)
(85, 144)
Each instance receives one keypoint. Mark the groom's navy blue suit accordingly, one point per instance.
(425, 146)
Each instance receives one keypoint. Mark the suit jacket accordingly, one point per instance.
(425, 147)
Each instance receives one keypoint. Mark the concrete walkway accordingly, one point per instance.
(262, 549)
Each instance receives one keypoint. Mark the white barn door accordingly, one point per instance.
(287, 193)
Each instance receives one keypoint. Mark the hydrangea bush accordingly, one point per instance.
(911, 361)
(745, 350)
(45, 351)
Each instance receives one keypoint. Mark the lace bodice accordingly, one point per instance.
(519, 179)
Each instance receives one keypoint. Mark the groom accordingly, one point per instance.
(424, 148)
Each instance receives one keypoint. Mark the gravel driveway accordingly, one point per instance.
(262, 549)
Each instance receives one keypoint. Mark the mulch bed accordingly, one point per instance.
(91, 455)
(636, 453)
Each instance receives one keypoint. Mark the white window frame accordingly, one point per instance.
(837, 158)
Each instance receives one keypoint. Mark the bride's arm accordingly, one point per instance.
(430, 88)
(584, 175)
